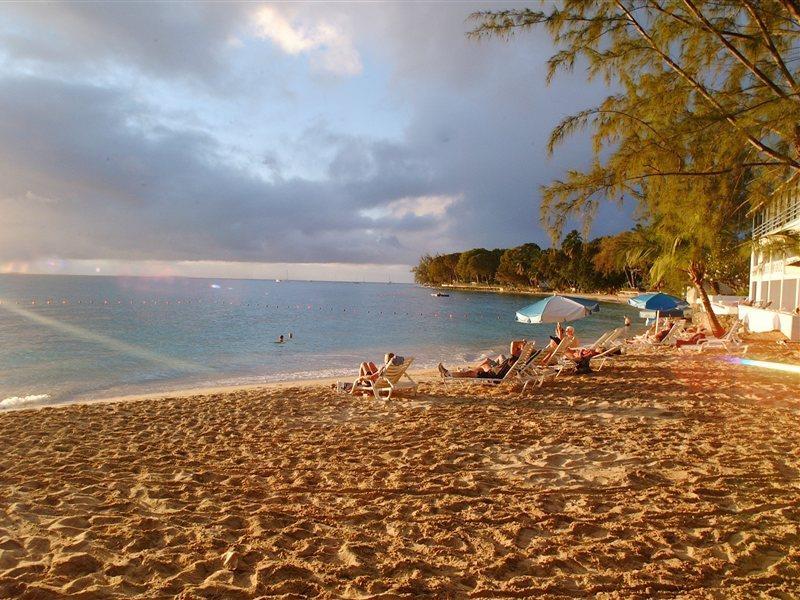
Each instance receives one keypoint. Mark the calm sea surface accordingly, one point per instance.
(72, 338)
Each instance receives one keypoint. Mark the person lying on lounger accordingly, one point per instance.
(653, 334)
(696, 334)
(489, 368)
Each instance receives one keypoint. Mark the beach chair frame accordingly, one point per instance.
(525, 356)
(391, 381)
(728, 342)
(567, 364)
(669, 339)
(538, 371)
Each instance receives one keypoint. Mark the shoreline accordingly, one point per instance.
(191, 392)
(619, 298)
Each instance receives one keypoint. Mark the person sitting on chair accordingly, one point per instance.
(489, 368)
(567, 333)
(369, 371)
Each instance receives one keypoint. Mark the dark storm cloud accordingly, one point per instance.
(88, 171)
(187, 40)
(115, 192)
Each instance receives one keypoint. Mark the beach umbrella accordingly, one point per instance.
(591, 305)
(658, 303)
(553, 309)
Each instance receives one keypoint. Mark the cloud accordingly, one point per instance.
(175, 40)
(126, 194)
(32, 197)
(332, 50)
(421, 206)
(123, 139)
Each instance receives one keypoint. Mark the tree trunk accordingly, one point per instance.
(697, 276)
(630, 277)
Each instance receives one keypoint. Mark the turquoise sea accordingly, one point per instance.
(65, 338)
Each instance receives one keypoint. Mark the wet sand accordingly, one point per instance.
(660, 476)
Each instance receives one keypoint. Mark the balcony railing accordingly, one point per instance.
(784, 209)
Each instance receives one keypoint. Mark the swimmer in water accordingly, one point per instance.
(279, 340)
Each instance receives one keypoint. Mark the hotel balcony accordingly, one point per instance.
(781, 214)
(775, 273)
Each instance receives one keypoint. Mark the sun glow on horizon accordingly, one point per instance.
(209, 269)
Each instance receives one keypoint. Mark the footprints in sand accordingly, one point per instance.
(561, 493)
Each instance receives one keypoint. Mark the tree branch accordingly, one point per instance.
(793, 7)
(773, 50)
(711, 173)
(704, 92)
(690, 23)
(751, 66)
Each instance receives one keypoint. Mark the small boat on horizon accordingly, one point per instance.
(440, 295)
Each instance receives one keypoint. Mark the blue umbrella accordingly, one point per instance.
(591, 305)
(657, 301)
(553, 309)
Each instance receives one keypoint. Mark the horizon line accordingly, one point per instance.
(205, 277)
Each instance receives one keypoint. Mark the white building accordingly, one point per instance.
(775, 272)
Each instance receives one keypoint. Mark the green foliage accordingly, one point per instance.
(685, 71)
(569, 267)
(516, 265)
(703, 127)
(478, 265)
(705, 90)
(629, 252)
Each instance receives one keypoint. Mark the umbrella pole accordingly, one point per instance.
(658, 313)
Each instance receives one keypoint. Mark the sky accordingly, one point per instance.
(329, 140)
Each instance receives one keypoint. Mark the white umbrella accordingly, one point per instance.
(554, 309)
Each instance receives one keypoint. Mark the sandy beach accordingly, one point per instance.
(660, 476)
(620, 298)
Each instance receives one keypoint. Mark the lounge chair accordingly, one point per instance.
(389, 381)
(611, 341)
(524, 358)
(598, 343)
(540, 369)
(668, 340)
(568, 364)
(728, 342)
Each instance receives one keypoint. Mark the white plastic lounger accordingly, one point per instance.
(539, 370)
(607, 344)
(728, 342)
(391, 381)
(604, 356)
(524, 358)
(602, 339)
(611, 341)
(669, 339)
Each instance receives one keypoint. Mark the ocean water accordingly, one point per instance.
(65, 338)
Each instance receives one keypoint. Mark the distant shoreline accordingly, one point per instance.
(620, 298)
